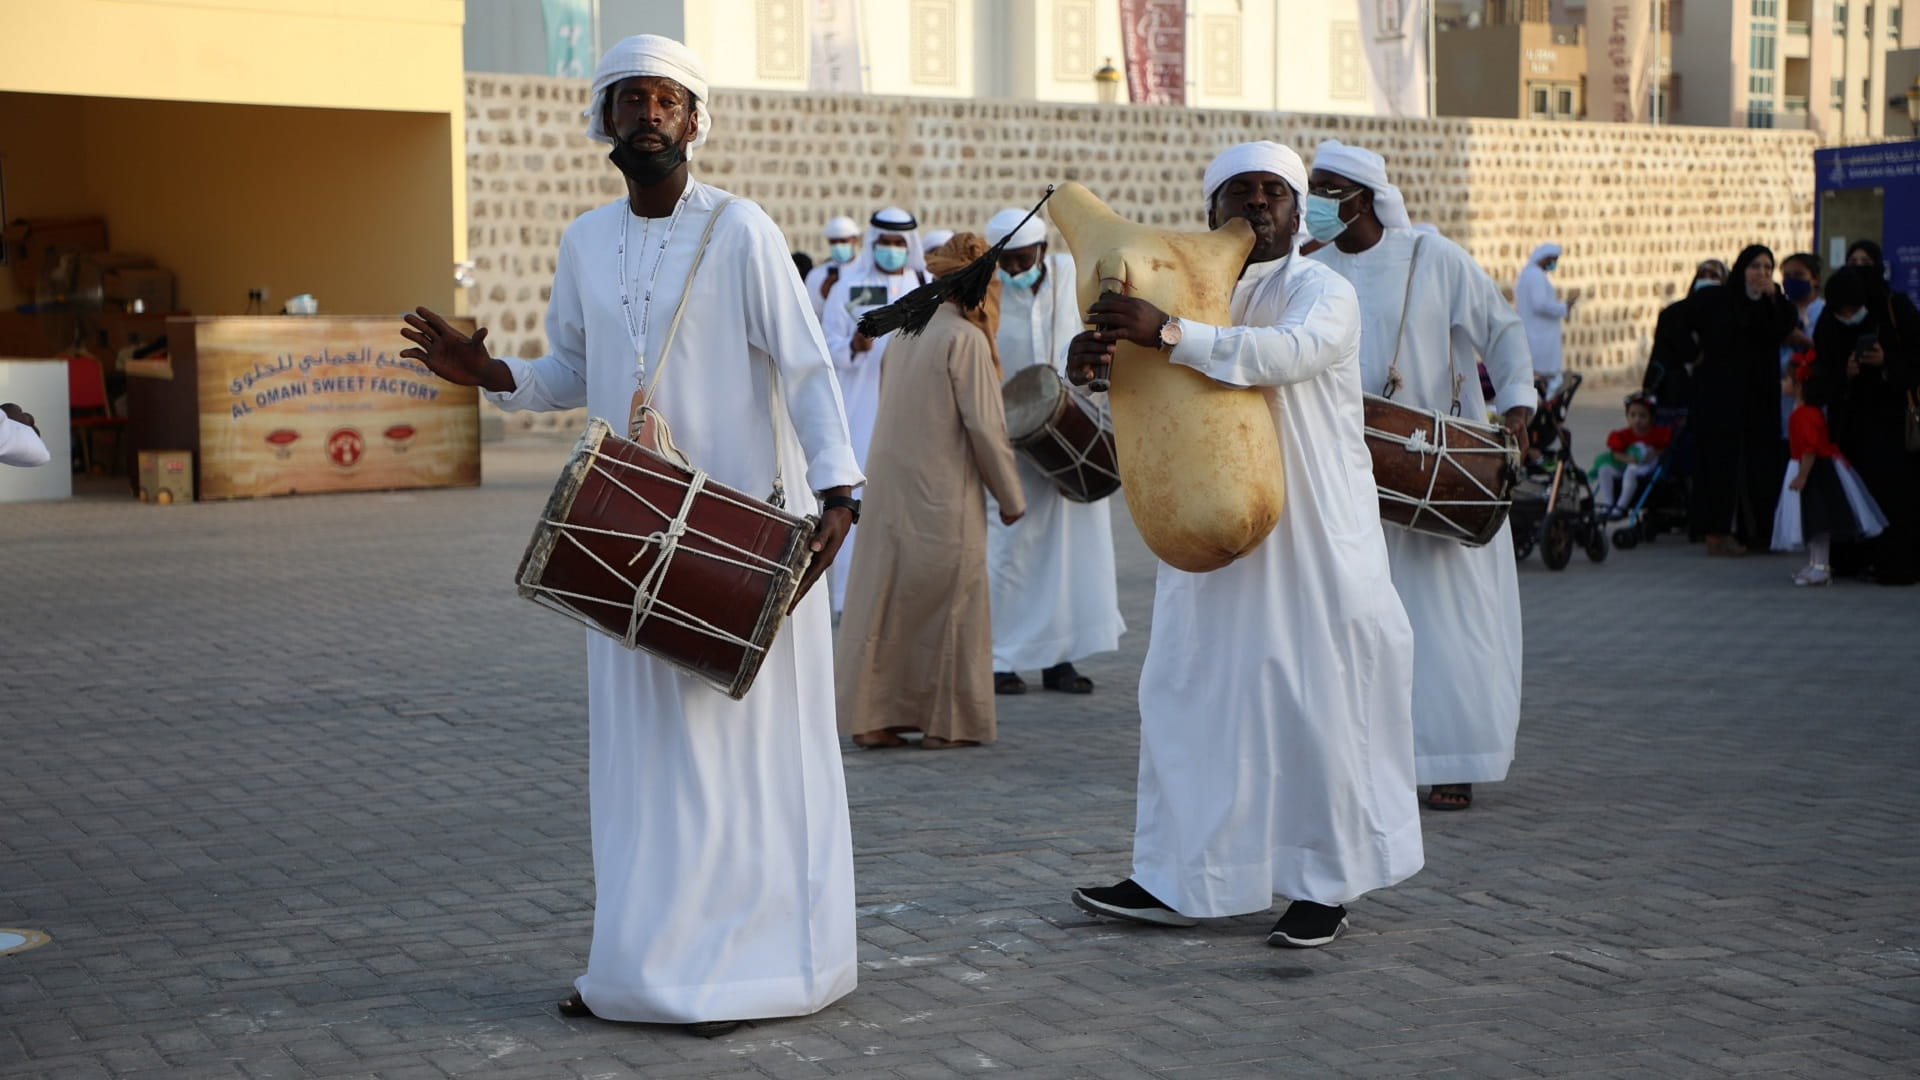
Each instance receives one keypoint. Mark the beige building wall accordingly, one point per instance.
(1517, 70)
(1635, 207)
(1303, 55)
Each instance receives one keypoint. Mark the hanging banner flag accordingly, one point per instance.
(833, 54)
(1619, 60)
(1153, 38)
(569, 37)
(1394, 33)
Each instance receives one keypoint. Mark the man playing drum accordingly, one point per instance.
(1429, 314)
(722, 858)
(1276, 741)
(1055, 596)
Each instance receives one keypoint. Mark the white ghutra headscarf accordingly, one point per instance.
(1369, 170)
(653, 56)
(1269, 157)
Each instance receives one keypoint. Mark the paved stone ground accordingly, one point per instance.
(298, 788)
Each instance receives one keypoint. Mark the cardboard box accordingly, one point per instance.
(29, 241)
(166, 476)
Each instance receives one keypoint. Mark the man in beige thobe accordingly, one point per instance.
(915, 649)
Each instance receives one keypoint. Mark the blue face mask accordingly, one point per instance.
(1550, 266)
(889, 258)
(1797, 289)
(1704, 283)
(840, 253)
(1025, 279)
(1323, 218)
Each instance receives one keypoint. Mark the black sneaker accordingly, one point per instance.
(1308, 925)
(1130, 902)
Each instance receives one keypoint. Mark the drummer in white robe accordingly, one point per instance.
(1276, 742)
(890, 265)
(722, 857)
(842, 235)
(1464, 602)
(1055, 597)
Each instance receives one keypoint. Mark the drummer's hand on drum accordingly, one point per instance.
(827, 538)
(1088, 357)
(1126, 318)
(452, 355)
(1516, 421)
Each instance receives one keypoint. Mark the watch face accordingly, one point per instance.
(1170, 332)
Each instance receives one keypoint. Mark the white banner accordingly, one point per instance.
(833, 54)
(1394, 33)
(1620, 47)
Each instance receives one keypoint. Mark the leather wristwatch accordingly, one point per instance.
(836, 502)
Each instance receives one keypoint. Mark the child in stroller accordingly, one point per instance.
(1632, 456)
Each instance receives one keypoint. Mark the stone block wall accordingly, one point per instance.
(1634, 207)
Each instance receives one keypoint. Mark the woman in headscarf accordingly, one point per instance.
(1541, 311)
(1867, 350)
(1669, 377)
(1735, 415)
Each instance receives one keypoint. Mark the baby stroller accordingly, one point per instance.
(1553, 503)
(1660, 505)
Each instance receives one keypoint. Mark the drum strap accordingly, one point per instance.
(645, 424)
(1406, 301)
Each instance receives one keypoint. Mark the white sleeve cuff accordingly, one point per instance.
(1196, 346)
(520, 397)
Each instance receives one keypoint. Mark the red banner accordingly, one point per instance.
(1153, 38)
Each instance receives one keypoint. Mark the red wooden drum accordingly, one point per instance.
(1440, 475)
(1063, 433)
(662, 559)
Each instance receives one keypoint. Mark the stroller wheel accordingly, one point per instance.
(1597, 543)
(1626, 539)
(1556, 541)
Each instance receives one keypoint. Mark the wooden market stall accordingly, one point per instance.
(294, 404)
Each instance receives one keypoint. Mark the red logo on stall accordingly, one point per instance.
(282, 441)
(345, 447)
(400, 435)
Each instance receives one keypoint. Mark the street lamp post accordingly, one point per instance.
(1106, 83)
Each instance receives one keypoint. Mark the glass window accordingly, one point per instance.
(1759, 114)
(1759, 84)
(1540, 101)
(1839, 18)
(1893, 20)
(1563, 102)
(1766, 9)
(1760, 52)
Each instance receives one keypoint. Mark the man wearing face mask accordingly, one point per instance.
(1276, 745)
(1055, 596)
(722, 857)
(890, 266)
(1422, 300)
(843, 243)
(1541, 311)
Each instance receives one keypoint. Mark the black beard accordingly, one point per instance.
(647, 167)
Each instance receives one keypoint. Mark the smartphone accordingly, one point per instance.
(1865, 341)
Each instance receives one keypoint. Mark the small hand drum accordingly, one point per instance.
(662, 559)
(1063, 433)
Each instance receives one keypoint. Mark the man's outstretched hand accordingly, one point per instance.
(452, 355)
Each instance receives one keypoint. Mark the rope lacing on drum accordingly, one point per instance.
(1439, 447)
(668, 540)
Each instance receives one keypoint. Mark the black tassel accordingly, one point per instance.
(911, 313)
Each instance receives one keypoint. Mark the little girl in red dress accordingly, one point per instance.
(1822, 500)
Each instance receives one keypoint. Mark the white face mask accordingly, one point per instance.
(1859, 316)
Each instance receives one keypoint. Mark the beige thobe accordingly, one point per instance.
(915, 648)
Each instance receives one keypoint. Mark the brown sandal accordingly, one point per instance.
(882, 739)
(935, 742)
(1450, 796)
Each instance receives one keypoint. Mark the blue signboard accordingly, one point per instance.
(1871, 193)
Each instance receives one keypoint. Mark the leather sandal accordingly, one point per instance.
(574, 1007)
(878, 740)
(935, 742)
(1008, 682)
(1064, 678)
(1450, 797)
